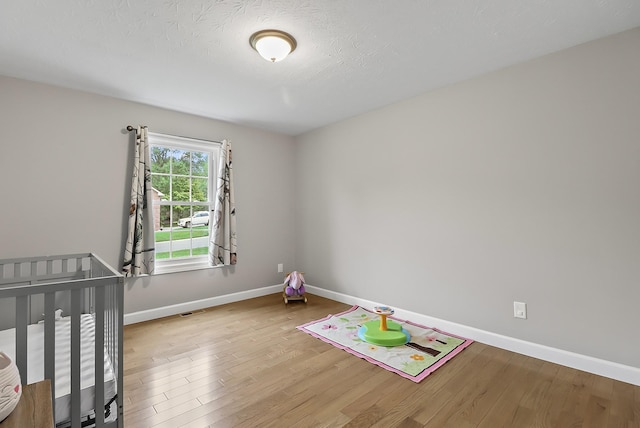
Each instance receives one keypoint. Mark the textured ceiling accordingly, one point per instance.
(352, 56)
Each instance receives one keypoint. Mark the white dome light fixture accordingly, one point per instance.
(273, 45)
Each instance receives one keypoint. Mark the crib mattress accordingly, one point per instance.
(35, 363)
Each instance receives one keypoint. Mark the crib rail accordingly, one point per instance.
(78, 284)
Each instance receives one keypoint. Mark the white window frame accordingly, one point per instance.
(189, 144)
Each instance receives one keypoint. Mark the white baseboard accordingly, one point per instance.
(196, 305)
(569, 359)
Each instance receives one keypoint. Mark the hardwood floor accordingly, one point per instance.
(245, 365)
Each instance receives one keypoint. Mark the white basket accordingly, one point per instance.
(10, 386)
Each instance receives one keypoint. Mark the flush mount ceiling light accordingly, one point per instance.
(273, 45)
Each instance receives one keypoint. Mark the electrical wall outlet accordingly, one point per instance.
(520, 310)
(280, 268)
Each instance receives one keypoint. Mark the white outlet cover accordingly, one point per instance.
(520, 310)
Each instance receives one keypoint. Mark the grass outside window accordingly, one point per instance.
(195, 232)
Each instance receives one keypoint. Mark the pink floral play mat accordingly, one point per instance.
(427, 350)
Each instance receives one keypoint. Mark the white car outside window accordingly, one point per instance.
(199, 218)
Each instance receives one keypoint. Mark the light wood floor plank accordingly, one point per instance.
(246, 365)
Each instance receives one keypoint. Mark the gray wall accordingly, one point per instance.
(518, 185)
(65, 180)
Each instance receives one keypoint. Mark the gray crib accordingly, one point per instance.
(61, 319)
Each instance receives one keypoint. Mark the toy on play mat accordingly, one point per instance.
(294, 287)
(383, 332)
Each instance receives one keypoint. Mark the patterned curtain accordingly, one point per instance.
(139, 249)
(222, 248)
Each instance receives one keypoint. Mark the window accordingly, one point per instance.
(183, 177)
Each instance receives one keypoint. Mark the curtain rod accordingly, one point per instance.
(131, 128)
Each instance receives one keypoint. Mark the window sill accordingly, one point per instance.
(175, 266)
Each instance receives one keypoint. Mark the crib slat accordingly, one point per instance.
(109, 329)
(34, 268)
(76, 302)
(50, 343)
(99, 353)
(22, 318)
(118, 310)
